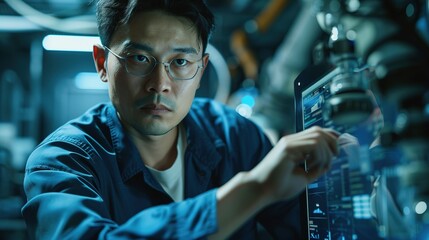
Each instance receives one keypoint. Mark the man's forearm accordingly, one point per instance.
(237, 201)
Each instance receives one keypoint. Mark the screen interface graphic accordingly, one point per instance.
(338, 203)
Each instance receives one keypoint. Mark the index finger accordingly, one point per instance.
(333, 140)
(334, 132)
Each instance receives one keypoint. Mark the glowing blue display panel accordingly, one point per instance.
(359, 197)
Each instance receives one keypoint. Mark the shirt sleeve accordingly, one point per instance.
(62, 203)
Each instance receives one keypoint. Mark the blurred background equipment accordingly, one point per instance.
(68, 16)
(268, 80)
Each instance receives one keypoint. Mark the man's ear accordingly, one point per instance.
(205, 62)
(99, 56)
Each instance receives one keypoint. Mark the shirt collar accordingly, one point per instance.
(127, 155)
(205, 145)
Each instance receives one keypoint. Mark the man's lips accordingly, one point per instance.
(155, 108)
(155, 104)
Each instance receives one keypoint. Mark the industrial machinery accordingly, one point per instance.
(379, 48)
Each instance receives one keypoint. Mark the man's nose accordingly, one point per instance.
(159, 80)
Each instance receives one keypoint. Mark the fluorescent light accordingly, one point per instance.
(69, 43)
(89, 81)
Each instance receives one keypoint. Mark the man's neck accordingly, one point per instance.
(158, 152)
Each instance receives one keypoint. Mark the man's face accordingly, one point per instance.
(156, 103)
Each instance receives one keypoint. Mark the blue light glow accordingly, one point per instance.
(248, 100)
(88, 80)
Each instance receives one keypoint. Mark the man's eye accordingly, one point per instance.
(180, 62)
(139, 58)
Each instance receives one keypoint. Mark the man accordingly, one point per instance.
(157, 163)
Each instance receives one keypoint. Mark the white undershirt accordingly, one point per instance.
(172, 179)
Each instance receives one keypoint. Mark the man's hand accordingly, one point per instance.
(279, 176)
(282, 172)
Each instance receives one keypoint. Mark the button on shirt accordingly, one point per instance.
(87, 180)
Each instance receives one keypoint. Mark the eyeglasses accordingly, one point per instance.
(142, 65)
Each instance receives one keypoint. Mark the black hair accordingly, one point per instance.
(113, 13)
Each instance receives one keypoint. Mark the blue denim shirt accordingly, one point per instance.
(87, 180)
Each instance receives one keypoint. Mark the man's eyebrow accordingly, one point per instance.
(140, 46)
(148, 48)
(188, 50)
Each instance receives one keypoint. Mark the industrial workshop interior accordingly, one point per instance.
(360, 67)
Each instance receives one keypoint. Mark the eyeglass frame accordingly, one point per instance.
(156, 62)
